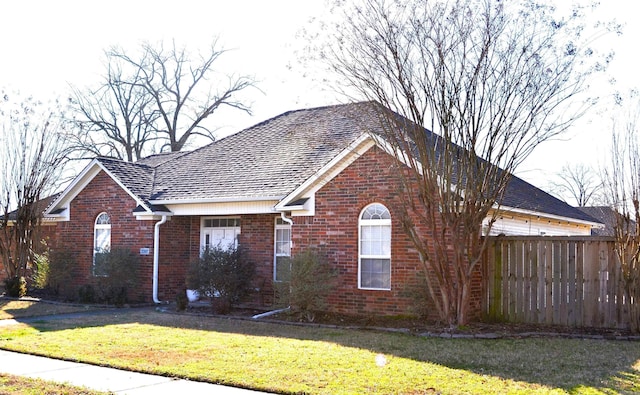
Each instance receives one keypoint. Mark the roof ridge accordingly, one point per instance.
(258, 125)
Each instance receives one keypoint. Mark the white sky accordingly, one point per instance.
(46, 45)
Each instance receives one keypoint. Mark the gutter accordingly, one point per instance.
(156, 257)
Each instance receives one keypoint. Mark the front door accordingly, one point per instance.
(219, 233)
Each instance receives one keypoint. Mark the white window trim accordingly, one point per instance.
(277, 227)
(372, 222)
(96, 227)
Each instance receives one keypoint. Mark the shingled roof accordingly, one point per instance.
(273, 158)
(522, 195)
(136, 177)
(268, 160)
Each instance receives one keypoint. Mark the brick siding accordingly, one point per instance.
(334, 229)
(103, 194)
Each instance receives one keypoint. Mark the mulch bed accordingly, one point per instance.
(419, 326)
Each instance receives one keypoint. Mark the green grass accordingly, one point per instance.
(284, 358)
(16, 385)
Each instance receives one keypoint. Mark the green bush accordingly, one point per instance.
(224, 275)
(15, 287)
(312, 280)
(41, 271)
(120, 275)
(61, 267)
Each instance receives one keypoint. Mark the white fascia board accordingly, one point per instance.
(73, 189)
(79, 183)
(223, 208)
(152, 216)
(345, 158)
(531, 213)
(241, 199)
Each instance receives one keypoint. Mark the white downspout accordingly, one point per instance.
(285, 219)
(156, 257)
(273, 312)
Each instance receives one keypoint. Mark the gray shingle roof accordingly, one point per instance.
(270, 159)
(138, 178)
(158, 159)
(605, 215)
(273, 158)
(520, 194)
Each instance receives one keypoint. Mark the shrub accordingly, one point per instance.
(62, 265)
(15, 286)
(87, 294)
(41, 273)
(225, 275)
(120, 269)
(312, 280)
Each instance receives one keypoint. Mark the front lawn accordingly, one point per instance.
(14, 308)
(286, 358)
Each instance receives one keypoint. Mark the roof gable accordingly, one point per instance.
(134, 179)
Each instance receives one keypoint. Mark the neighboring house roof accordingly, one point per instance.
(524, 196)
(605, 215)
(41, 205)
(274, 159)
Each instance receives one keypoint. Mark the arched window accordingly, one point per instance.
(101, 243)
(374, 263)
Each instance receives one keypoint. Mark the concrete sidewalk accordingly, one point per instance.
(106, 379)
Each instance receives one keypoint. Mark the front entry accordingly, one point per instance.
(219, 233)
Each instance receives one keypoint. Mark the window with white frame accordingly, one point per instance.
(282, 251)
(101, 243)
(219, 233)
(374, 266)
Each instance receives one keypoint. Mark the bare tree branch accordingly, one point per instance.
(622, 186)
(492, 79)
(578, 182)
(33, 154)
(180, 90)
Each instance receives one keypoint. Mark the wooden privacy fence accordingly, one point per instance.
(572, 281)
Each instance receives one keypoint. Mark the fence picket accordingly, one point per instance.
(570, 280)
(571, 284)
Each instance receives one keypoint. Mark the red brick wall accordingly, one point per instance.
(102, 194)
(180, 245)
(334, 228)
(257, 238)
(179, 241)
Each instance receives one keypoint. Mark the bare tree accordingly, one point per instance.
(115, 119)
(578, 182)
(32, 158)
(622, 186)
(158, 99)
(493, 79)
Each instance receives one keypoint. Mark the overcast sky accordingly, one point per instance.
(46, 45)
